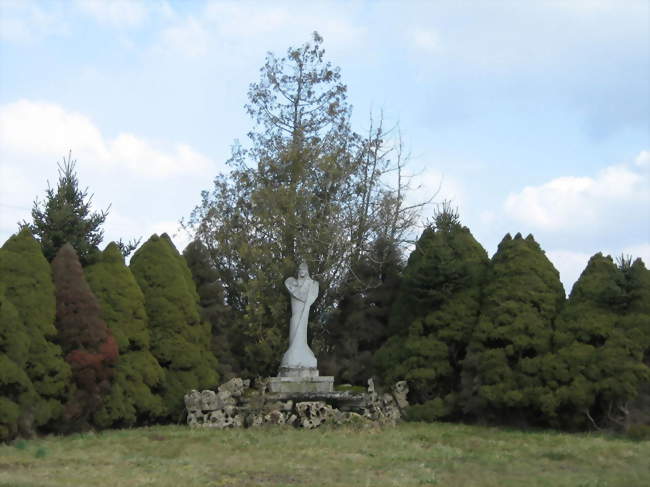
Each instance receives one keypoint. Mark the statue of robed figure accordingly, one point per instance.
(304, 291)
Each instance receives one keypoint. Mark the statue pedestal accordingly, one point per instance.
(300, 379)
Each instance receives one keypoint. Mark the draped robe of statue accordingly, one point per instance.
(304, 292)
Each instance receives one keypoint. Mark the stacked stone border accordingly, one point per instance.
(237, 404)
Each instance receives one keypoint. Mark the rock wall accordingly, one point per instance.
(236, 405)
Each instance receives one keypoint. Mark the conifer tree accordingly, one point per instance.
(512, 345)
(180, 341)
(214, 309)
(133, 396)
(27, 277)
(65, 216)
(435, 314)
(602, 336)
(359, 326)
(86, 341)
(17, 395)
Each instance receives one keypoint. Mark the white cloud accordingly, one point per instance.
(117, 13)
(577, 202)
(570, 264)
(425, 39)
(643, 159)
(46, 130)
(23, 23)
(188, 36)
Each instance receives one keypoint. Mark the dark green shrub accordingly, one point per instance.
(27, 277)
(180, 341)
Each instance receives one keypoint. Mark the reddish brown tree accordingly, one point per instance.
(86, 341)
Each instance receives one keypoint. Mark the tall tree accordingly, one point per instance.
(512, 343)
(308, 188)
(27, 278)
(180, 340)
(87, 343)
(65, 216)
(133, 397)
(435, 313)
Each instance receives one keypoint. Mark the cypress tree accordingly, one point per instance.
(213, 307)
(86, 341)
(133, 396)
(511, 346)
(180, 341)
(17, 395)
(359, 326)
(27, 277)
(602, 339)
(440, 298)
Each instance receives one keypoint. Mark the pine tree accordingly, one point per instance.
(435, 314)
(180, 341)
(65, 216)
(133, 397)
(512, 343)
(17, 395)
(27, 277)
(86, 341)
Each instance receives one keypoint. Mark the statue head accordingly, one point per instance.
(303, 270)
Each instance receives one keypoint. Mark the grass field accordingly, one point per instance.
(410, 454)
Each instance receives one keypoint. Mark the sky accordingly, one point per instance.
(531, 117)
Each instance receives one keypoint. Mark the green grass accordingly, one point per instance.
(410, 454)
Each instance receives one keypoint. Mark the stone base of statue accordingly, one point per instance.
(300, 380)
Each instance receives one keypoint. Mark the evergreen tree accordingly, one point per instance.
(27, 278)
(359, 326)
(180, 341)
(133, 397)
(86, 341)
(213, 307)
(306, 189)
(435, 314)
(511, 345)
(602, 336)
(17, 395)
(65, 216)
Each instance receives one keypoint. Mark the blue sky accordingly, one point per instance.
(534, 116)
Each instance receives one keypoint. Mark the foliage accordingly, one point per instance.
(86, 341)
(213, 308)
(27, 278)
(359, 324)
(602, 337)
(65, 216)
(137, 375)
(511, 347)
(308, 188)
(435, 313)
(180, 340)
(17, 394)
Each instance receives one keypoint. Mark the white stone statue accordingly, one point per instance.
(304, 291)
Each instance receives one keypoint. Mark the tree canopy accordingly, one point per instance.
(65, 216)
